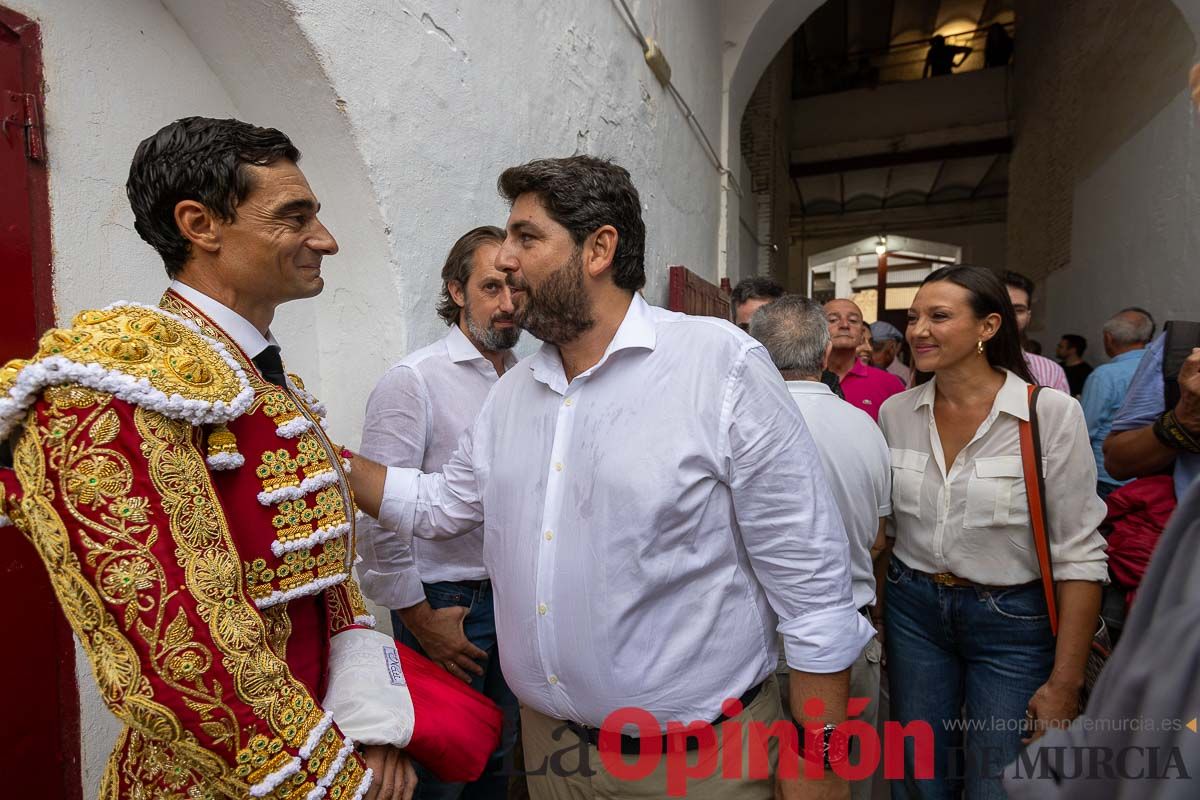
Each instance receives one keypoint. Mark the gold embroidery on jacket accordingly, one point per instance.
(147, 763)
(126, 573)
(279, 629)
(143, 344)
(345, 603)
(94, 482)
(205, 546)
(315, 454)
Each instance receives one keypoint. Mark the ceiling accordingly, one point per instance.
(848, 44)
(927, 182)
(883, 141)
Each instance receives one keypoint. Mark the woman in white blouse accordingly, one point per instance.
(967, 633)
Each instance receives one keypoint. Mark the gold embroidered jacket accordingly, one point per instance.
(198, 528)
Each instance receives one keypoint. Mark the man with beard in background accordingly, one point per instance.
(438, 590)
(654, 508)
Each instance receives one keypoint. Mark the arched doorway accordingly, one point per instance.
(1079, 169)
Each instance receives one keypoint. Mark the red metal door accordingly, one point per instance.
(691, 294)
(39, 748)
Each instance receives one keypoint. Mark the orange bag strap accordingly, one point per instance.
(1035, 489)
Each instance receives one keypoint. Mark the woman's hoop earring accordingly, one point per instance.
(979, 347)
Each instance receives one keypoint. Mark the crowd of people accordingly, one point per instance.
(674, 522)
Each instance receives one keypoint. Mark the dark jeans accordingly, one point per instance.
(963, 660)
(480, 628)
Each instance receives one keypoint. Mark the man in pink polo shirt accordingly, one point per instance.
(864, 386)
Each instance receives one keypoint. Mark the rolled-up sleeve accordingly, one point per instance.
(395, 432)
(787, 520)
(439, 505)
(1073, 509)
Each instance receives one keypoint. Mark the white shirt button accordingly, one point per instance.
(553, 679)
(558, 467)
(542, 609)
(549, 535)
(568, 401)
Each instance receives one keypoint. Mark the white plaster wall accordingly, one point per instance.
(442, 97)
(113, 74)
(115, 71)
(1135, 238)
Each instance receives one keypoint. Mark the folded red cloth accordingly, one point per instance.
(456, 728)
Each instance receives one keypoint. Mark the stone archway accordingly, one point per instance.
(755, 30)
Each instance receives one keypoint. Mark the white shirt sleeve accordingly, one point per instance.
(883, 480)
(395, 432)
(1073, 509)
(441, 505)
(788, 522)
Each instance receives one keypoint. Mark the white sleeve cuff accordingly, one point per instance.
(1095, 571)
(825, 641)
(396, 509)
(368, 694)
(393, 590)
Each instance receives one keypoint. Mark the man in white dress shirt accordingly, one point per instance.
(438, 590)
(654, 511)
(855, 456)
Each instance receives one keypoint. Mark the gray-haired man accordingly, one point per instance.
(1126, 335)
(857, 466)
(886, 343)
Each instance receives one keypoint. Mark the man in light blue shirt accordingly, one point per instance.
(1125, 337)
(1130, 444)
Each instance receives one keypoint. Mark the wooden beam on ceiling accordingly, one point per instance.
(937, 177)
(987, 147)
(983, 179)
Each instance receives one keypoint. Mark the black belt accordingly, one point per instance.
(632, 745)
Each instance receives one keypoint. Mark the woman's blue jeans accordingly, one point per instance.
(966, 660)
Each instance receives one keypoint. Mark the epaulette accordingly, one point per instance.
(142, 355)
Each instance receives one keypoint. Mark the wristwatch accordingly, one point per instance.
(835, 744)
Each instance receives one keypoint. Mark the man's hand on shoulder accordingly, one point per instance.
(440, 632)
(394, 777)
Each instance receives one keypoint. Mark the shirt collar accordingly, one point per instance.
(859, 369)
(809, 387)
(461, 349)
(1129, 354)
(1012, 399)
(237, 327)
(636, 331)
